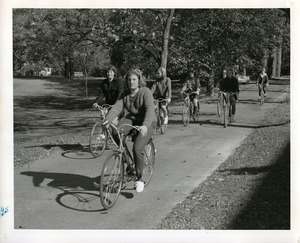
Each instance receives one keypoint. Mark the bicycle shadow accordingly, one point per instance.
(79, 193)
(70, 151)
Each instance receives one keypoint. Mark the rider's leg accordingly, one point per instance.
(138, 151)
(233, 108)
(264, 89)
(195, 101)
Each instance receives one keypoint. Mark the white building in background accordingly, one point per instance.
(45, 72)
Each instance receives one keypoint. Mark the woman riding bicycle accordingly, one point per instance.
(137, 101)
(161, 89)
(231, 85)
(111, 88)
(262, 82)
(192, 86)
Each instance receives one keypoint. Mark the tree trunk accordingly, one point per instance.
(244, 71)
(264, 61)
(279, 60)
(274, 65)
(164, 55)
(211, 82)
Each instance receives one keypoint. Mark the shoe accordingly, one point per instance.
(232, 119)
(139, 186)
(265, 95)
(166, 120)
(259, 98)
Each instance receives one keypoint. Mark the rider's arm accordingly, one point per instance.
(115, 110)
(184, 87)
(149, 107)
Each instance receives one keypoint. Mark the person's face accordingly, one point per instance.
(191, 74)
(110, 74)
(230, 74)
(133, 82)
(263, 70)
(159, 74)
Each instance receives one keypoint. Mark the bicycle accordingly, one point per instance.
(220, 107)
(100, 136)
(262, 94)
(119, 168)
(188, 109)
(160, 116)
(226, 107)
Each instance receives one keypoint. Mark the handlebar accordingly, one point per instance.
(105, 106)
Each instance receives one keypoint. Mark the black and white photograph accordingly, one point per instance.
(148, 123)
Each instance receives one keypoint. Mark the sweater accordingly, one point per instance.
(162, 88)
(111, 91)
(138, 108)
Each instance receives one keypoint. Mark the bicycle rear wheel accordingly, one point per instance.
(149, 161)
(98, 139)
(185, 114)
(111, 179)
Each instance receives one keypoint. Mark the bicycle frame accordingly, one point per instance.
(226, 104)
(190, 105)
(262, 95)
(113, 176)
(158, 110)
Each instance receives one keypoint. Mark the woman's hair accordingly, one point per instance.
(112, 68)
(162, 70)
(138, 73)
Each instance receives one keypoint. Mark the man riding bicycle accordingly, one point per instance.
(161, 89)
(262, 82)
(231, 85)
(192, 86)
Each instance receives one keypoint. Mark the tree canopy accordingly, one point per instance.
(207, 39)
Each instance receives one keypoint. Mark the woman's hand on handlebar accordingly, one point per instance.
(143, 130)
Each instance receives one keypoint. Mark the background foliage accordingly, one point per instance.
(206, 39)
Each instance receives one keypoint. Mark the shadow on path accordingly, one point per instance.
(79, 193)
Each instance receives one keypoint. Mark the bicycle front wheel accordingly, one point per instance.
(98, 139)
(262, 98)
(220, 107)
(111, 179)
(163, 126)
(149, 161)
(197, 115)
(185, 114)
(225, 115)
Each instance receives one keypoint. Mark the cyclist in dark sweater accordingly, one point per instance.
(111, 88)
(231, 85)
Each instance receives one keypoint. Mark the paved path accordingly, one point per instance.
(58, 193)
